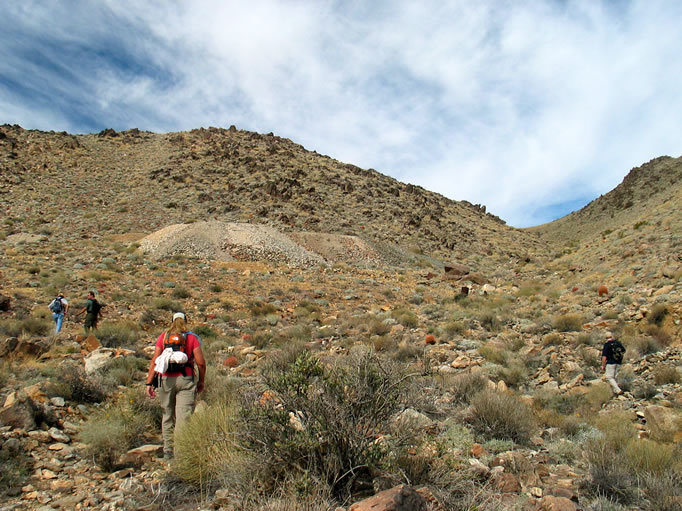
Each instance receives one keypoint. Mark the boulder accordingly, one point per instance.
(20, 413)
(98, 359)
(140, 455)
(400, 498)
(662, 422)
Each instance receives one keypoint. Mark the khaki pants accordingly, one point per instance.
(177, 395)
(611, 371)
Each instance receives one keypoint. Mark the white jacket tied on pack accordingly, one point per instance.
(168, 355)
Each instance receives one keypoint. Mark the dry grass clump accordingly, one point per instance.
(113, 430)
(465, 386)
(666, 374)
(28, 326)
(503, 416)
(114, 335)
(568, 322)
(632, 471)
(207, 451)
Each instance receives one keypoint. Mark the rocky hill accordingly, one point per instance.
(361, 334)
(134, 181)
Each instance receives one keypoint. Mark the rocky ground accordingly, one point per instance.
(515, 314)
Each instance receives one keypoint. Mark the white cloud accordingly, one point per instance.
(515, 105)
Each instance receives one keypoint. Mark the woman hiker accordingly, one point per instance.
(177, 350)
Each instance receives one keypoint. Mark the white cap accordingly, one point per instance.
(179, 315)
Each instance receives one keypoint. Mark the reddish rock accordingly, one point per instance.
(231, 361)
(507, 483)
(477, 451)
(430, 339)
(552, 503)
(603, 290)
(400, 498)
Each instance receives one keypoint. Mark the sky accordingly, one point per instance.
(530, 107)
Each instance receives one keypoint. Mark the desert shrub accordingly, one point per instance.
(113, 335)
(112, 431)
(465, 386)
(455, 327)
(608, 476)
(490, 322)
(181, 293)
(563, 403)
(598, 394)
(341, 409)
(167, 304)
(405, 317)
(643, 345)
(644, 390)
(657, 314)
(646, 456)
(407, 351)
(515, 373)
(14, 467)
(666, 374)
(204, 331)
(259, 308)
(215, 288)
(661, 491)
(626, 379)
(552, 339)
(502, 416)
(568, 322)
(660, 334)
(378, 327)
(78, 386)
(493, 354)
(617, 428)
(584, 339)
(125, 370)
(28, 326)
(207, 450)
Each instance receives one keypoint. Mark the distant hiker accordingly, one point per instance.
(59, 307)
(611, 359)
(93, 310)
(171, 370)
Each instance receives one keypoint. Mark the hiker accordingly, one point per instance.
(59, 307)
(93, 310)
(611, 359)
(171, 370)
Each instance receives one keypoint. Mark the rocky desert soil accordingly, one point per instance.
(268, 248)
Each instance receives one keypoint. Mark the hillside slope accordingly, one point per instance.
(114, 183)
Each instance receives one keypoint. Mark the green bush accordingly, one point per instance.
(498, 415)
(323, 421)
(167, 304)
(125, 370)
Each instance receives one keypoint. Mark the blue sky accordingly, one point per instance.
(532, 108)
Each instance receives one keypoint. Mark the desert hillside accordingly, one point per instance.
(368, 342)
(134, 181)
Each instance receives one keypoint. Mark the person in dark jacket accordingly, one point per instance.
(93, 312)
(611, 359)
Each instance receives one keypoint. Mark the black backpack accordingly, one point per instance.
(617, 351)
(56, 305)
(95, 307)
